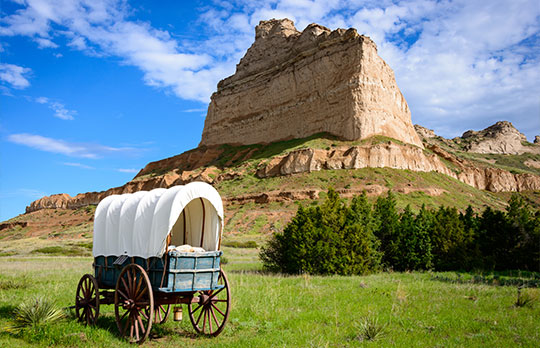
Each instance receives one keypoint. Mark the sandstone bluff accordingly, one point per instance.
(293, 84)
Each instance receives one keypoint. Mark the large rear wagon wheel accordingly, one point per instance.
(133, 299)
(211, 313)
(87, 300)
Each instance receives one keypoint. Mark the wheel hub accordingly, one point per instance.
(128, 304)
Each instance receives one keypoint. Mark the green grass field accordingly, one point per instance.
(411, 309)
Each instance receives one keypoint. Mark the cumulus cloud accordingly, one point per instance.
(71, 149)
(14, 75)
(103, 27)
(460, 64)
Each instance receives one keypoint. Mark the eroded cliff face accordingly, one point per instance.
(293, 84)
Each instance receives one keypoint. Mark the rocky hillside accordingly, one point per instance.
(501, 138)
(219, 164)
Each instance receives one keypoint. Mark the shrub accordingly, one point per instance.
(34, 313)
(329, 239)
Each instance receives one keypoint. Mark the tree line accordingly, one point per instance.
(337, 237)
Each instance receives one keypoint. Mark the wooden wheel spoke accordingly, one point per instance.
(196, 309)
(209, 319)
(124, 315)
(121, 293)
(138, 287)
(142, 293)
(131, 326)
(144, 314)
(217, 309)
(130, 282)
(199, 318)
(214, 316)
(126, 288)
(136, 324)
(139, 319)
(216, 293)
(204, 320)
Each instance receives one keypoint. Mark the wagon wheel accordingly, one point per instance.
(133, 298)
(87, 300)
(211, 313)
(161, 313)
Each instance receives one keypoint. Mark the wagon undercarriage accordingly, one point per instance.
(137, 307)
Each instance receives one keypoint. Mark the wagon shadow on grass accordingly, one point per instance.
(159, 331)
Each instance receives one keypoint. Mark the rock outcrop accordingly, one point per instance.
(423, 132)
(500, 138)
(293, 84)
(537, 139)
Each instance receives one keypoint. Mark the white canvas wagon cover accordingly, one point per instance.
(138, 224)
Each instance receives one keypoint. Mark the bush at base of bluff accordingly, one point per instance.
(361, 238)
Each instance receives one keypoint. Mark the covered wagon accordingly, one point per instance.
(154, 249)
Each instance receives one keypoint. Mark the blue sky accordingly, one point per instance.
(92, 90)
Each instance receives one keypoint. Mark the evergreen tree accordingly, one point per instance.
(449, 241)
(387, 229)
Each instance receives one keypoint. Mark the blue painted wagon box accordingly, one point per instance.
(193, 271)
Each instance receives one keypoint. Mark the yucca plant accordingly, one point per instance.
(34, 313)
(370, 329)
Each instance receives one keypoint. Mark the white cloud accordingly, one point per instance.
(71, 149)
(61, 112)
(14, 75)
(78, 165)
(59, 109)
(460, 64)
(45, 43)
(128, 170)
(102, 27)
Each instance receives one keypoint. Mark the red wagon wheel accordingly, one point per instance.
(87, 300)
(161, 313)
(211, 313)
(133, 298)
